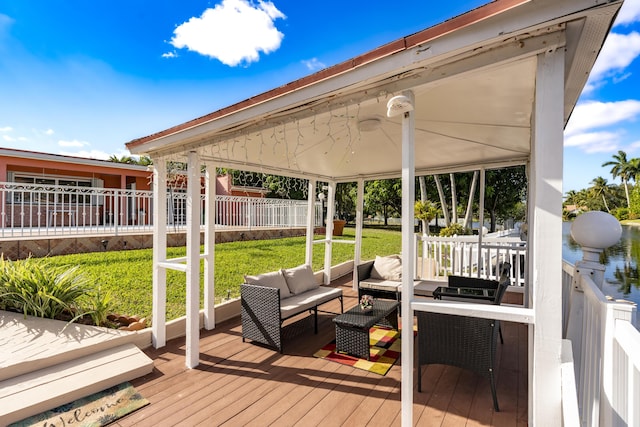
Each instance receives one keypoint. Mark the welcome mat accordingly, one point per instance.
(96, 410)
(384, 350)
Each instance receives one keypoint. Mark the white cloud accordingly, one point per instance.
(8, 138)
(49, 132)
(313, 64)
(595, 114)
(91, 154)
(594, 142)
(234, 32)
(618, 52)
(629, 13)
(6, 129)
(172, 54)
(74, 143)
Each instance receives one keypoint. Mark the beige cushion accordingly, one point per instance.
(274, 279)
(387, 268)
(300, 279)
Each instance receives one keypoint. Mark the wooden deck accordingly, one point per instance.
(240, 383)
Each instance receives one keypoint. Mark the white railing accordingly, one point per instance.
(606, 352)
(28, 210)
(464, 256)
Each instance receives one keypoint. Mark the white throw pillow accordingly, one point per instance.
(300, 279)
(387, 268)
(274, 279)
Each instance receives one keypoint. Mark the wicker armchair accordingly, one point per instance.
(463, 341)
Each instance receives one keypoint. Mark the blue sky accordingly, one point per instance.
(83, 78)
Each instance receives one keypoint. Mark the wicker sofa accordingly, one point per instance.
(382, 278)
(267, 300)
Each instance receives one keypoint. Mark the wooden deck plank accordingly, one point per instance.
(242, 383)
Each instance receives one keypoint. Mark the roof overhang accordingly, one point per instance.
(474, 82)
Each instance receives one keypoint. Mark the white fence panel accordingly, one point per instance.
(28, 210)
(465, 256)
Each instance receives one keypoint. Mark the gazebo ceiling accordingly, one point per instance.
(474, 94)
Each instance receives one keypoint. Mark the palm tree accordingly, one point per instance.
(601, 188)
(621, 168)
(123, 159)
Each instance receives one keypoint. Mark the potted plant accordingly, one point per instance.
(338, 226)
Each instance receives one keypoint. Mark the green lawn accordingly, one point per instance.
(127, 274)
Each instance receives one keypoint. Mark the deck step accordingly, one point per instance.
(38, 391)
(31, 343)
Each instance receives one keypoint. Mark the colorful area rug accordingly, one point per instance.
(384, 351)
(96, 410)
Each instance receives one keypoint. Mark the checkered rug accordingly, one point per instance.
(384, 351)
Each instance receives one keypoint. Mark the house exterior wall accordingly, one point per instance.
(46, 165)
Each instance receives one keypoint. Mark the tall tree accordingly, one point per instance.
(601, 188)
(469, 214)
(454, 199)
(620, 167)
(384, 196)
(443, 201)
(505, 190)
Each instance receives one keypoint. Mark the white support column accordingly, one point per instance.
(311, 222)
(193, 261)
(481, 219)
(331, 202)
(545, 238)
(158, 326)
(210, 246)
(408, 260)
(359, 220)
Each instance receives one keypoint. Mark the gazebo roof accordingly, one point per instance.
(474, 81)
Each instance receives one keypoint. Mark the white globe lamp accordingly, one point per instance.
(595, 231)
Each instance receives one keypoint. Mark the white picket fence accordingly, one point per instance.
(49, 210)
(467, 256)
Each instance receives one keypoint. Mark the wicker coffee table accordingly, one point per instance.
(352, 327)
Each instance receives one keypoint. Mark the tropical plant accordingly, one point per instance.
(426, 212)
(98, 304)
(35, 287)
(601, 188)
(622, 168)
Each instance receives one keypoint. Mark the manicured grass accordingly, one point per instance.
(128, 274)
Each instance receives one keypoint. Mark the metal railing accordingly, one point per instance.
(606, 352)
(464, 256)
(28, 210)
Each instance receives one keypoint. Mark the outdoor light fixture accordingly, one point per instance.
(398, 105)
(104, 244)
(595, 231)
(369, 125)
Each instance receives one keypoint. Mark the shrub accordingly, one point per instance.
(454, 230)
(621, 213)
(37, 288)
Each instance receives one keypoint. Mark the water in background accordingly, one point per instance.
(621, 261)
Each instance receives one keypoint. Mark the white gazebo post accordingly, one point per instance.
(357, 253)
(311, 222)
(545, 238)
(193, 261)
(403, 104)
(331, 200)
(210, 180)
(158, 328)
